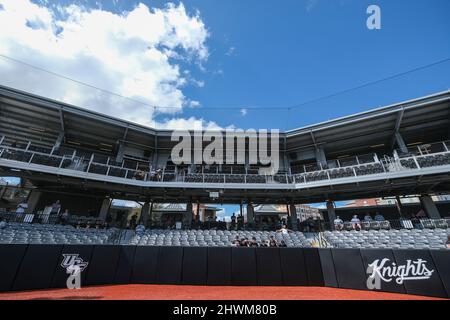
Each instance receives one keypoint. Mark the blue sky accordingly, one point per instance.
(262, 56)
(288, 52)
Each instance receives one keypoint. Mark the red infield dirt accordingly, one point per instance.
(173, 292)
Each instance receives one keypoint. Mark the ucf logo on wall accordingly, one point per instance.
(388, 271)
(74, 265)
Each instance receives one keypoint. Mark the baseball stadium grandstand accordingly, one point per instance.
(73, 162)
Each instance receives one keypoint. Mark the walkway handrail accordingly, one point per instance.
(388, 165)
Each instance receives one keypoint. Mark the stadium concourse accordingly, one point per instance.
(69, 174)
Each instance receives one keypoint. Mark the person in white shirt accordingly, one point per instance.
(338, 223)
(140, 229)
(22, 207)
(284, 230)
(356, 223)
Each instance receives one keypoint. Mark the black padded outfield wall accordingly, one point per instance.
(419, 272)
(144, 265)
(11, 257)
(219, 266)
(125, 265)
(268, 264)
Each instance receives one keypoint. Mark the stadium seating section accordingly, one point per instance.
(433, 236)
(212, 238)
(400, 239)
(54, 234)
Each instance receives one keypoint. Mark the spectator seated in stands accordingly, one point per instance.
(253, 243)
(3, 224)
(367, 217)
(309, 224)
(56, 207)
(283, 244)
(156, 175)
(416, 221)
(448, 242)
(140, 229)
(64, 218)
(272, 242)
(244, 242)
(133, 221)
(236, 242)
(284, 230)
(356, 223)
(338, 224)
(98, 224)
(379, 217)
(139, 175)
(22, 207)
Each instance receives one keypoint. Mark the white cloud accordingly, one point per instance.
(191, 123)
(223, 215)
(310, 4)
(134, 54)
(243, 112)
(194, 104)
(231, 51)
(199, 83)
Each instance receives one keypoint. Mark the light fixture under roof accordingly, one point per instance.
(105, 144)
(414, 143)
(37, 129)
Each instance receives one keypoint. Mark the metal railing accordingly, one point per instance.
(46, 218)
(73, 162)
(396, 224)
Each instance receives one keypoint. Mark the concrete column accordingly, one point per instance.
(430, 207)
(293, 216)
(59, 140)
(320, 156)
(145, 213)
(399, 205)
(105, 208)
(188, 216)
(33, 200)
(250, 213)
(151, 212)
(287, 163)
(331, 213)
(2, 191)
(197, 219)
(120, 152)
(400, 142)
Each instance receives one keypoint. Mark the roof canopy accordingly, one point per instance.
(32, 118)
